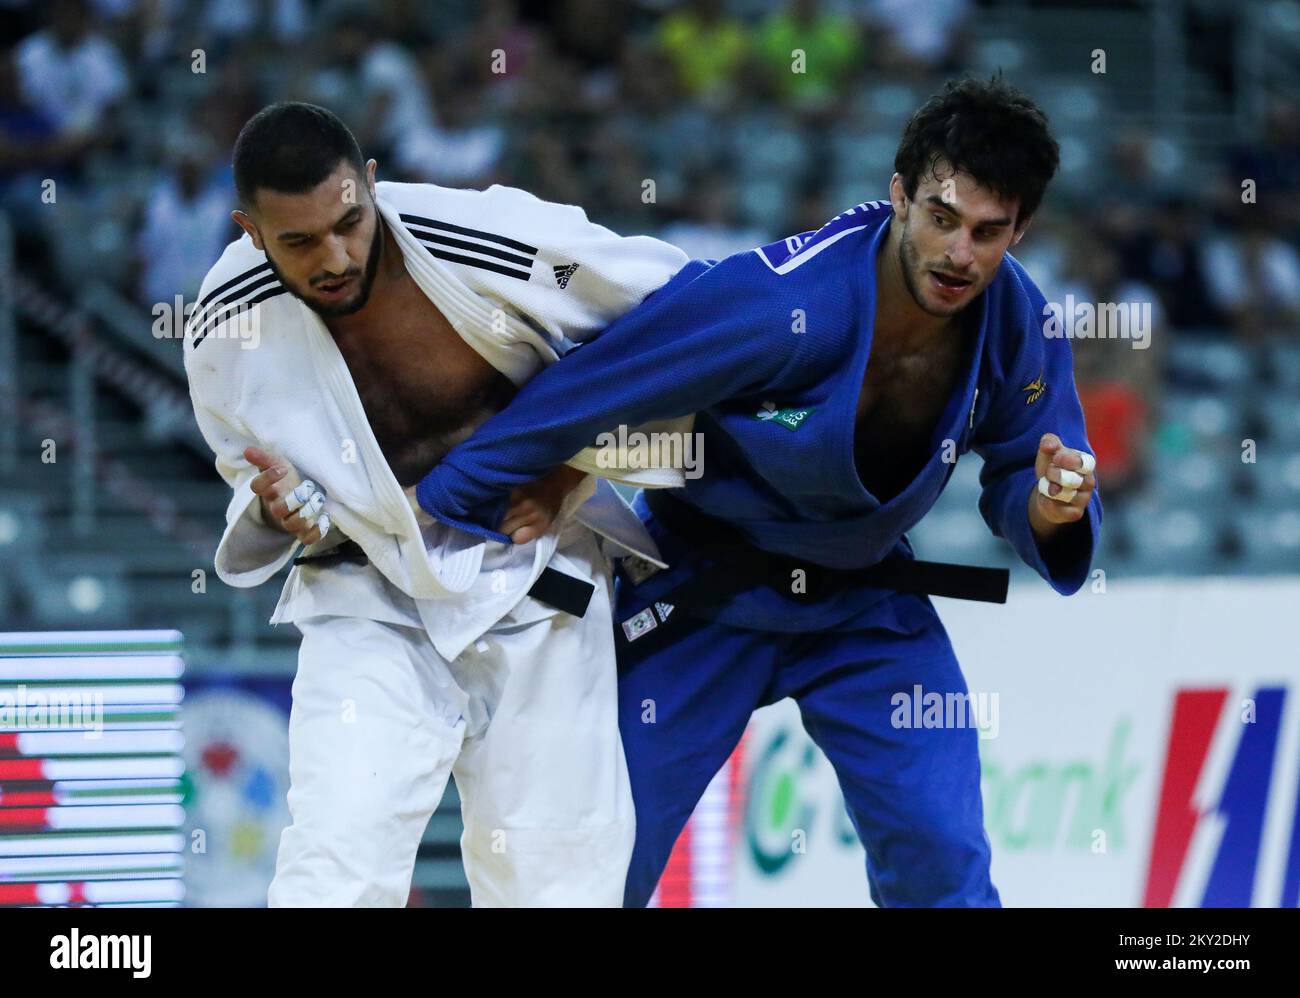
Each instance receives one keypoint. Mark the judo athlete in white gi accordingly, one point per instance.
(338, 350)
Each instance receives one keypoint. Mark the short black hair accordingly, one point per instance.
(291, 147)
(988, 130)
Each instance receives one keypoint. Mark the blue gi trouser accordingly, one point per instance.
(913, 793)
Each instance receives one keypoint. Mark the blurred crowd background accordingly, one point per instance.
(1179, 123)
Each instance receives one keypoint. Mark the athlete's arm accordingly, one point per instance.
(1035, 409)
(695, 342)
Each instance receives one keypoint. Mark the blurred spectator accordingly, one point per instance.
(371, 82)
(677, 136)
(811, 210)
(1045, 250)
(710, 230)
(1254, 276)
(70, 74)
(464, 148)
(617, 179)
(32, 150)
(831, 47)
(590, 32)
(923, 36)
(231, 22)
(1118, 384)
(503, 45)
(541, 163)
(1168, 252)
(186, 220)
(1273, 163)
(29, 137)
(1133, 171)
(234, 98)
(707, 47)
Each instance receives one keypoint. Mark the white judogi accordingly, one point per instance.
(432, 658)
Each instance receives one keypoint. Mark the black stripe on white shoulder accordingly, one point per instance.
(473, 247)
(243, 292)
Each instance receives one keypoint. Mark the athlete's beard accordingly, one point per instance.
(357, 303)
(909, 263)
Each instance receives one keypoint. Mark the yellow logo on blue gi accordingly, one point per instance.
(791, 419)
(1035, 389)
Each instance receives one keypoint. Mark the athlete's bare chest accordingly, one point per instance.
(902, 399)
(422, 386)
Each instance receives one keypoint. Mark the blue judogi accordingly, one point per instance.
(770, 348)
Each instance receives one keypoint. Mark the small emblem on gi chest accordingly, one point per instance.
(1035, 389)
(639, 624)
(791, 418)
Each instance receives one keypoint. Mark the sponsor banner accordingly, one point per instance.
(1146, 752)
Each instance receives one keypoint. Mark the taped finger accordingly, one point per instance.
(1045, 488)
(1089, 463)
(299, 495)
(1069, 479)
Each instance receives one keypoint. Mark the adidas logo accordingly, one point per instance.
(563, 273)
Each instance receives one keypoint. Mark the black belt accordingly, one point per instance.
(740, 566)
(552, 587)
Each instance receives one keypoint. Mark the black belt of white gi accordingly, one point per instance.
(552, 587)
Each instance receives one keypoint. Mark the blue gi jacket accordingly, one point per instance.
(770, 348)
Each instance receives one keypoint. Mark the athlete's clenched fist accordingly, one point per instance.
(1066, 481)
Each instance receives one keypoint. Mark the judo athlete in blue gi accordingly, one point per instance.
(837, 376)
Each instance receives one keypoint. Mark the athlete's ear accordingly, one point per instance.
(1021, 230)
(370, 176)
(898, 196)
(246, 223)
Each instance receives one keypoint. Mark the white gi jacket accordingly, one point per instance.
(521, 280)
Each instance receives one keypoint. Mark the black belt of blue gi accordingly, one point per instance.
(552, 587)
(739, 566)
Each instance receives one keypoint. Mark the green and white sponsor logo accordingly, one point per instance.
(1057, 805)
(791, 418)
(784, 801)
(1071, 805)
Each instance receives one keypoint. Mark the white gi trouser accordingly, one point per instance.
(527, 721)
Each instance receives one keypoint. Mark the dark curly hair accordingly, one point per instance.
(988, 130)
(291, 147)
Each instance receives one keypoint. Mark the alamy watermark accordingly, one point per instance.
(25, 709)
(624, 450)
(235, 321)
(1109, 320)
(921, 709)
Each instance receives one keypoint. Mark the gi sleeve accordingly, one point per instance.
(249, 552)
(1034, 395)
(589, 276)
(703, 338)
